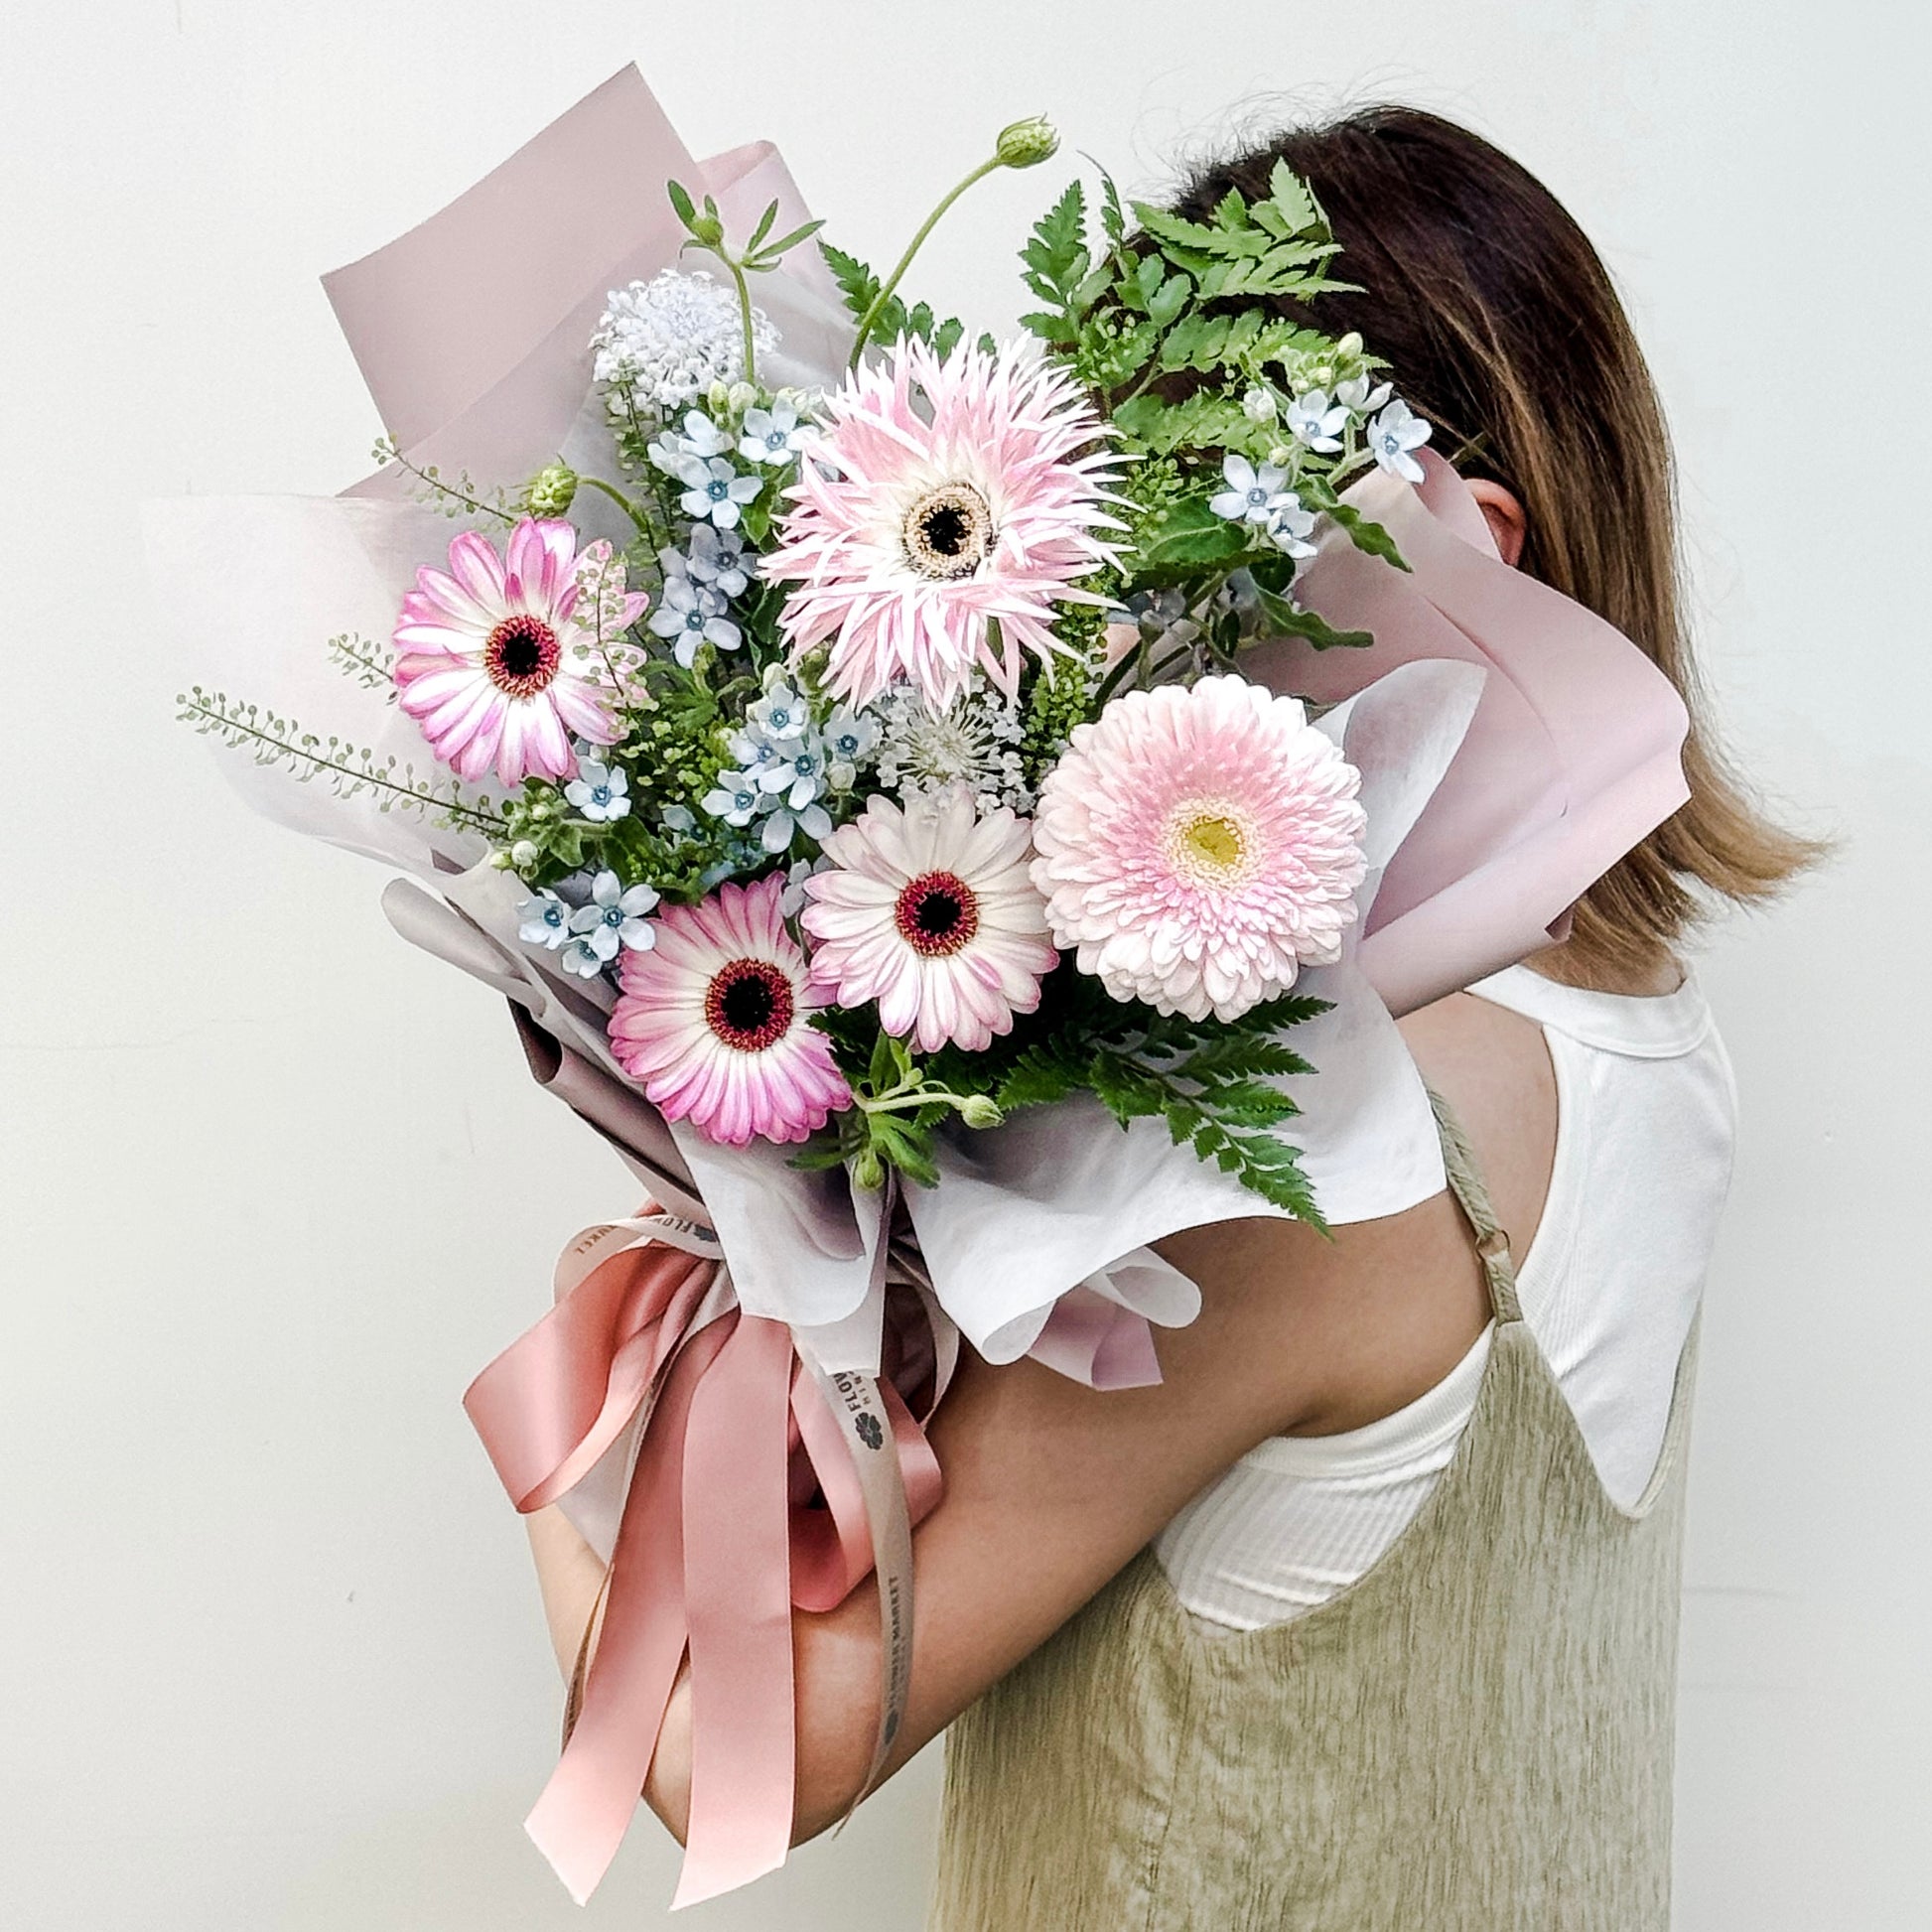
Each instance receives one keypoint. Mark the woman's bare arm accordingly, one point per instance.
(1052, 1488)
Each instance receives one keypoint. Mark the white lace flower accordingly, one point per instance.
(669, 339)
(975, 740)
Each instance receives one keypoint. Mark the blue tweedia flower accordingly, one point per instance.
(543, 921)
(735, 798)
(581, 958)
(779, 717)
(776, 833)
(601, 792)
(1290, 527)
(1252, 496)
(1393, 435)
(614, 918)
(797, 776)
(716, 560)
(1315, 421)
(702, 437)
(692, 614)
(714, 490)
(1361, 395)
(772, 435)
(851, 737)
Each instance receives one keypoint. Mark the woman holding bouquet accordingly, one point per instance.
(1365, 1616)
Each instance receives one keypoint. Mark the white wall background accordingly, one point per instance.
(274, 1186)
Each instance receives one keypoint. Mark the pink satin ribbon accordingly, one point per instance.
(720, 1537)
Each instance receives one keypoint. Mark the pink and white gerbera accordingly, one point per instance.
(944, 510)
(714, 1021)
(492, 662)
(1198, 846)
(928, 909)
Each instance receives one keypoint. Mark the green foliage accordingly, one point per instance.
(1208, 1080)
(372, 665)
(860, 288)
(1367, 535)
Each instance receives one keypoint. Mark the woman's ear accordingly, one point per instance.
(1503, 513)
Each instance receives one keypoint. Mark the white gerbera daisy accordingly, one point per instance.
(929, 910)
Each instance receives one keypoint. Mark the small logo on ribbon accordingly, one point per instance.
(869, 1432)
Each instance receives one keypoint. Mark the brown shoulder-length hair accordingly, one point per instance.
(1502, 328)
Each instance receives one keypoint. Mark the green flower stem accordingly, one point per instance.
(744, 311)
(1116, 677)
(913, 247)
(624, 502)
(904, 1099)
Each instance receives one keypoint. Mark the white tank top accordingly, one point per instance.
(1609, 1287)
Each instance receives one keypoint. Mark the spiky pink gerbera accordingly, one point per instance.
(1197, 847)
(491, 662)
(929, 912)
(713, 1021)
(944, 510)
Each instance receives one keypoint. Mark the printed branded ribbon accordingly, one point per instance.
(712, 1551)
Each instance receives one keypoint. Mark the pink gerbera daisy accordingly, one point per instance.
(491, 662)
(928, 909)
(713, 1021)
(942, 514)
(1197, 847)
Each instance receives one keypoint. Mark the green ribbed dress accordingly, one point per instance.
(1476, 1736)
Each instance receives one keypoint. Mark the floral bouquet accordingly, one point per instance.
(933, 802)
(896, 768)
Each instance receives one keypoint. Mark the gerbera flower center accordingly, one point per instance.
(936, 913)
(749, 1005)
(1210, 842)
(949, 531)
(521, 656)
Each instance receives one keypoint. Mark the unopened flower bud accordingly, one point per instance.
(501, 860)
(1323, 376)
(978, 1109)
(742, 395)
(868, 1171)
(1282, 455)
(1258, 405)
(551, 490)
(719, 396)
(1027, 143)
(524, 853)
(1349, 346)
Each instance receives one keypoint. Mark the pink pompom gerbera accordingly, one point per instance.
(492, 661)
(928, 909)
(1198, 846)
(944, 510)
(713, 1021)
